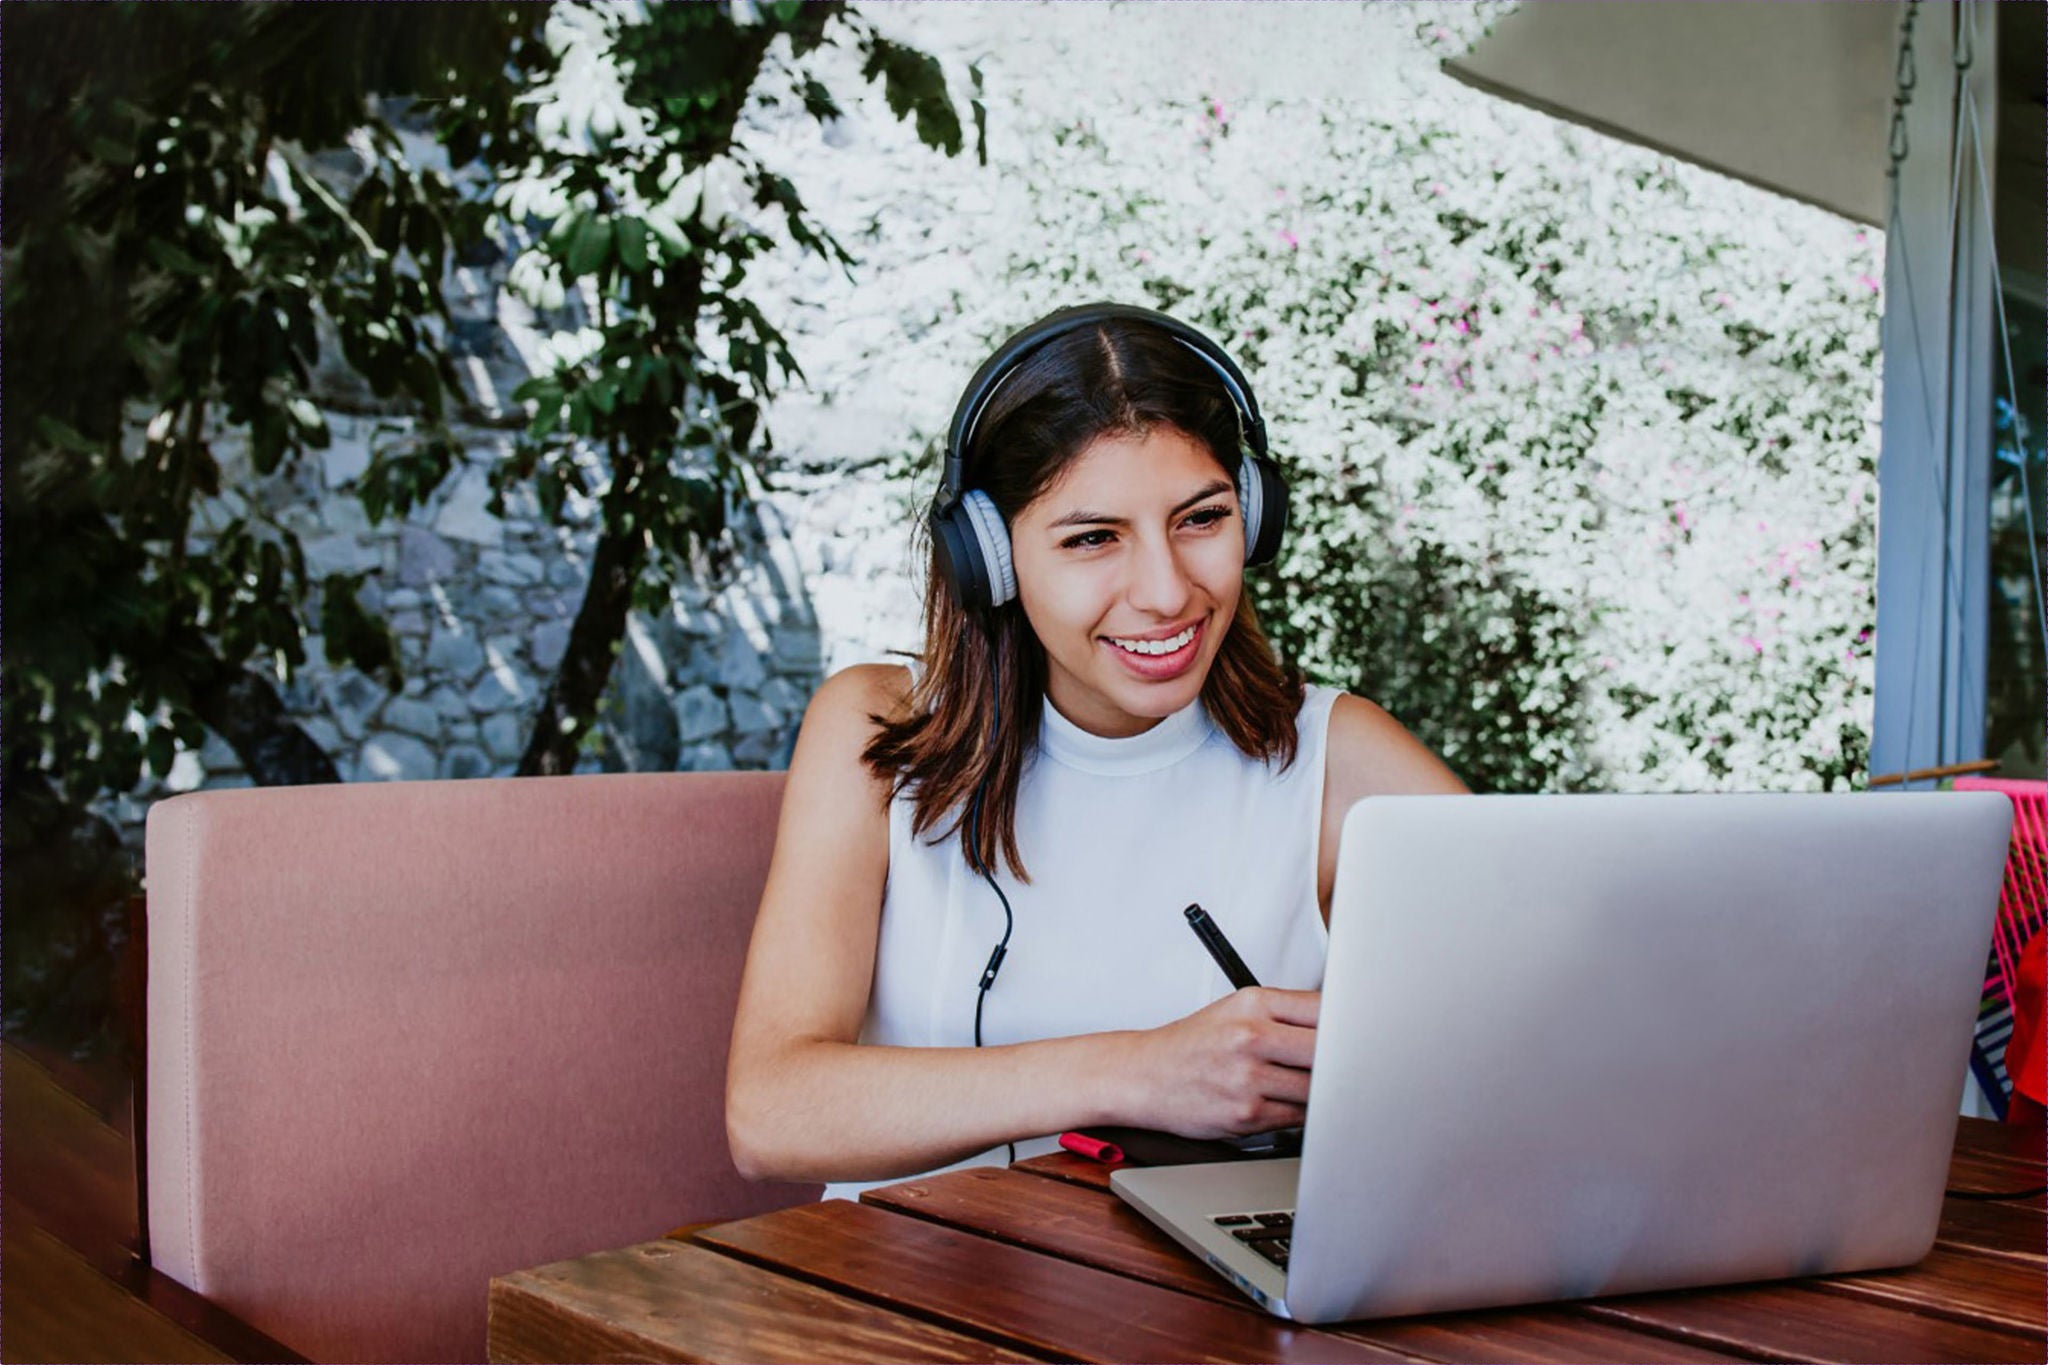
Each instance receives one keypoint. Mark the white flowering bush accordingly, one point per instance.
(1582, 440)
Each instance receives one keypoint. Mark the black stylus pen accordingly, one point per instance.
(1219, 948)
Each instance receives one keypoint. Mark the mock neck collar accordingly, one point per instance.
(1162, 746)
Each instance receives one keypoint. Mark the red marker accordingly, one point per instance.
(1095, 1149)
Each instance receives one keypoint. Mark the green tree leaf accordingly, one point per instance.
(630, 236)
(590, 248)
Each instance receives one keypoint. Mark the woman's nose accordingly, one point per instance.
(1159, 583)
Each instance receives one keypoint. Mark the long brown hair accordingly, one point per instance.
(973, 714)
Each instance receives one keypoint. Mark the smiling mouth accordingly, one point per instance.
(1172, 644)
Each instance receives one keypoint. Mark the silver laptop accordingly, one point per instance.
(1584, 1045)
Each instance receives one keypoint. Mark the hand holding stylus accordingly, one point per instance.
(1234, 1067)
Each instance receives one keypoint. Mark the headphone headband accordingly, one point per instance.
(1008, 357)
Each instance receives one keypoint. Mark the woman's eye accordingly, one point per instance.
(1200, 520)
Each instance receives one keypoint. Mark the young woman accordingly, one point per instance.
(972, 935)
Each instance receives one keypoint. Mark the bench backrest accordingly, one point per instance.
(403, 1037)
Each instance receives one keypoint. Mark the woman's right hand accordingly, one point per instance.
(1236, 1067)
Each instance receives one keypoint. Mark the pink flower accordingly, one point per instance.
(1868, 283)
(1289, 238)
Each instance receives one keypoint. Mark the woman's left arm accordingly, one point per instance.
(1370, 754)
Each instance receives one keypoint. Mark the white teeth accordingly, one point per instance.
(1155, 646)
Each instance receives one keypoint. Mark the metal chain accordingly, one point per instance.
(1905, 78)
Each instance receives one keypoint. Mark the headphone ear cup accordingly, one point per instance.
(960, 563)
(994, 539)
(1262, 493)
(974, 551)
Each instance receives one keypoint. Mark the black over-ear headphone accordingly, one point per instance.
(972, 541)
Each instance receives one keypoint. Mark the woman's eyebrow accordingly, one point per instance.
(1104, 519)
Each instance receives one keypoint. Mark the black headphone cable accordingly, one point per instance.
(1002, 949)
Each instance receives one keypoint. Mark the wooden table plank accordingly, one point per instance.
(2023, 1142)
(670, 1301)
(1068, 1221)
(1797, 1322)
(1551, 1334)
(1002, 1292)
(2000, 1156)
(2001, 1229)
(1995, 1175)
(1964, 1285)
(1090, 1226)
(1076, 1170)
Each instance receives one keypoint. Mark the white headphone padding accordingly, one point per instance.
(995, 545)
(1251, 497)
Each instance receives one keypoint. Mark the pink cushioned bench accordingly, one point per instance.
(403, 1037)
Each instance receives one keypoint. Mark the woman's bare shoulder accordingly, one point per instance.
(1370, 753)
(854, 694)
(841, 720)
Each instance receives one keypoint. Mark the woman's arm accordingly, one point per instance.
(804, 1101)
(1370, 754)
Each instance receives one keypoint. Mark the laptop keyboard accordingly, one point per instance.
(1269, 1234)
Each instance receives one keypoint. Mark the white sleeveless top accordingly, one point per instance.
(1119, 835)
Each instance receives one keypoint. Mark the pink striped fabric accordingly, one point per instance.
(2024, 904)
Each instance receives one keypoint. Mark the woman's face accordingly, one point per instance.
(1139, 542)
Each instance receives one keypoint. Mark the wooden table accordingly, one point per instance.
(1042, 1262)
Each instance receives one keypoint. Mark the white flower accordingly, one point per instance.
(711, 193)
(537, 279)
